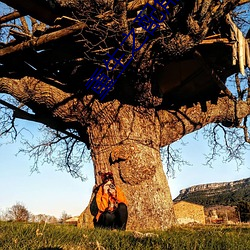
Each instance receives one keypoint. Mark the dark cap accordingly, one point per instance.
(107, 176)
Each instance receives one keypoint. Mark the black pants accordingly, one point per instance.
(116, 219)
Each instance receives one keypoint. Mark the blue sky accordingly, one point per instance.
(48, 192)
(52, 192)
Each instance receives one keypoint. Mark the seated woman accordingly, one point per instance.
(112, 204)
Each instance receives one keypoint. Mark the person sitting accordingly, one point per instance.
(112, 204)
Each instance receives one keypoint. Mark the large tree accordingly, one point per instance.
(174, 85)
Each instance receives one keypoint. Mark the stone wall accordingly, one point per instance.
(186, 212)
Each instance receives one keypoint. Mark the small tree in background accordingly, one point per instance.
(64, 217)
(243, 209)
(18, 212)
(1, 215)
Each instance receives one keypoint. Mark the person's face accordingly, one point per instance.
(108, 181)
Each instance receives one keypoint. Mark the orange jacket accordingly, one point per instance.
(102, 200)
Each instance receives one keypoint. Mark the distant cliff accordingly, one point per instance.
(225, 193)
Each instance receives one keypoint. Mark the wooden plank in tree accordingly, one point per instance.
(19, 35)
(37, 9)
(217, 40)
(9, 17)
(44, 39)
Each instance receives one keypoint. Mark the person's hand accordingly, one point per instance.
(106, 188)
(112, 191)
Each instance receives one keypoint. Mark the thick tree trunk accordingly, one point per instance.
(130, 149)
(140, 175)
(150, 202)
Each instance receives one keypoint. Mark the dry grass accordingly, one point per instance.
(34, 236)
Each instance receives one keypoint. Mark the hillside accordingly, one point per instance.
(225, 193)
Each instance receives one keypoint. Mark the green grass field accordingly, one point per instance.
(15, 235)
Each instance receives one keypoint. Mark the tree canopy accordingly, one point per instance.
(57, 45)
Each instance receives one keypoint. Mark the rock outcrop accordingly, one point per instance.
(225, 193)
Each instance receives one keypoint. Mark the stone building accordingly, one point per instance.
(72, 220)
(187, 212)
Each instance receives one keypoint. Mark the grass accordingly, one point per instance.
(20, 236)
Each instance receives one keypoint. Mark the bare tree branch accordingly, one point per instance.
(61, 150)
(172, 158)
(228, 144)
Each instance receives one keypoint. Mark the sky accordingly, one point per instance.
(52, 192)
